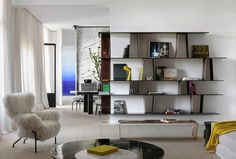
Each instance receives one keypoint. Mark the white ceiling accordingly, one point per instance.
(63, 14)
(59, 2)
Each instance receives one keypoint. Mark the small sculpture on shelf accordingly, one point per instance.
(192, 88)
(173, 111)
(141, 73)
(128, 70)
(149, 78)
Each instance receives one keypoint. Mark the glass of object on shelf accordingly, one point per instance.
(148, 78)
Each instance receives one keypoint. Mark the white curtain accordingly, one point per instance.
(5, 64)
(49, 64)
(21, 57)
(30, 46)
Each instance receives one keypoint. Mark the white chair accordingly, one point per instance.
(35, 125)
(77, 99)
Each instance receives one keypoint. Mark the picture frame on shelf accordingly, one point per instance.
(120, 107)
(170, 74)
(159, 49)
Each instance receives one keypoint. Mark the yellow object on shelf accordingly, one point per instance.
(128, 69)
(102, 150)
(141, 73)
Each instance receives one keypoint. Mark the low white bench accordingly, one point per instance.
(151, 128)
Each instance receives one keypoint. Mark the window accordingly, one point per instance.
(68, 70)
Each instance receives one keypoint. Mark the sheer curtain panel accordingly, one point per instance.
(30, 45)
(5, 65)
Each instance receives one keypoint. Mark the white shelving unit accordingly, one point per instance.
(180, 57)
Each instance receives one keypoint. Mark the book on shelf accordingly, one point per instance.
(200, 51)
(190, 79)
(106, 88)
(156, 93)
(126, 52)
(119, 74)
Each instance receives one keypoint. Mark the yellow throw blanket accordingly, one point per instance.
(220, 128)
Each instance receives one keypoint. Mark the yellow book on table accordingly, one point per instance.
(102, 150)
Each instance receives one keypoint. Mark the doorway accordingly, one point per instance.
(50, 72)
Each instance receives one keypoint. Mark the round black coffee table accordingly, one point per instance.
(143, 150)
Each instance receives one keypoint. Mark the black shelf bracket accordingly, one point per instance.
(186, 40)
(153, 102)
(211, 69)
(201, 103)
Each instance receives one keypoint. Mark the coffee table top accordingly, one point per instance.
(143, 150)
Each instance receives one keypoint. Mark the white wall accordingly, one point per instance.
(215, 16)
(68, 37)
(170, 15)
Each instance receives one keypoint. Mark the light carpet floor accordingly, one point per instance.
(80, 126)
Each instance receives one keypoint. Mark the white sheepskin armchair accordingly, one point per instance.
(35, 125)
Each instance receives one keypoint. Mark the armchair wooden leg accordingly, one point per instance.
(55, 140)
(16, 142)
(25, 140)
(35, 141)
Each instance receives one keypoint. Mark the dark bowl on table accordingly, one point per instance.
(87, 81)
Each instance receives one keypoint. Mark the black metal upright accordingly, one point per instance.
(85, 102)
(186, 40)
(90, 100)
(211, 69)
(201, 103)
